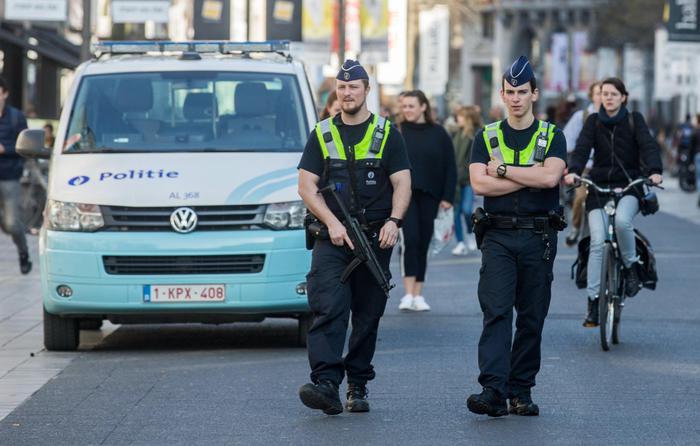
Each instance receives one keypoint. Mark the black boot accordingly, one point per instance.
(488, 402)
(322, 396)
(523, 405)
(632, 282)
(357, 398)
(25, 266)
(592, 317)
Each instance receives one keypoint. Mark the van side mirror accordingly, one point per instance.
(30, 144)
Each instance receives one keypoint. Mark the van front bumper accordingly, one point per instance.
(76, 260)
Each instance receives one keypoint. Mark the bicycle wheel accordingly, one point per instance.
(616, 323)
(606, 306)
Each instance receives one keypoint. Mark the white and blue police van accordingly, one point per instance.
(173, 188)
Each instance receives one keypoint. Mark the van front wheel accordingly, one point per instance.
(60, 333)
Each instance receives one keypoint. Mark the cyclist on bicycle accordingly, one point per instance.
(623, 150)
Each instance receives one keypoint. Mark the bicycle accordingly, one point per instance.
(611, 297)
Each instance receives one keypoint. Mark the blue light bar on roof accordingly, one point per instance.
(197, 46)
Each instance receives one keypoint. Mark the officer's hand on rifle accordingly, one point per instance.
(339, 235)
(388, 235)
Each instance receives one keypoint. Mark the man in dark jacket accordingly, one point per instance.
(12, 122)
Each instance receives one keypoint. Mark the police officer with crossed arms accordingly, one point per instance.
(363, 157)
(516, 164)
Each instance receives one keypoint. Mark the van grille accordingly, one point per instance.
(210, 218)
(218, 264)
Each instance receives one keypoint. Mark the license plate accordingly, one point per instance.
(184, 293)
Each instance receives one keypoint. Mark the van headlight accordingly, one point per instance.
(289, 215)
(65, 216)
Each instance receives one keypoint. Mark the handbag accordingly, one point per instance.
(443, 230)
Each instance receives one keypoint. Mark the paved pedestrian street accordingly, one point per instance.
(237, 384)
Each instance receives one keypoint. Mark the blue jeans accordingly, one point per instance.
(627, 208)
(464, 207)
(11, 223)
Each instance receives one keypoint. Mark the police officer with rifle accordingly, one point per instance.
(354, 177)
(516, 164)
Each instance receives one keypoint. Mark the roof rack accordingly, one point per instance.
(195, 46)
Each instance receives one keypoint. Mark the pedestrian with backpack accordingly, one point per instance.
(12, 122)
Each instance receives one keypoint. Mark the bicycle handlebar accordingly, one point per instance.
(608, 190)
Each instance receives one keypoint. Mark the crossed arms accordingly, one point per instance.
(485, 181)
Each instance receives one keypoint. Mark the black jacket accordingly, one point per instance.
(639, 154)
(634, 149)
(432, 158)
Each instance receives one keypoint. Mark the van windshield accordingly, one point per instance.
(187, 112)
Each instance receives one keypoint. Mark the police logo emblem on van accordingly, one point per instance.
(79, 180)
(183, 220)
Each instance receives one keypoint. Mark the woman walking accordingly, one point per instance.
(433, 181)
(468, 121)
(623, 151)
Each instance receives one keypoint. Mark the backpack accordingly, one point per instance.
(646, 267)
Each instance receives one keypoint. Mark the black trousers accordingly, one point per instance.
(418, 224)
(332, 302)
(513, 275)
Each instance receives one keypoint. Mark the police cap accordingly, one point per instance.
(519, 73)
(351, 70)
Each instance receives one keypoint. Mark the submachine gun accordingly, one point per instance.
(364, 254)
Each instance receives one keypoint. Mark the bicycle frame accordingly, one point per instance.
(612, 286)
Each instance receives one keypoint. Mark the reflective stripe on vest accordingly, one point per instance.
(493, 137)
(371, 145)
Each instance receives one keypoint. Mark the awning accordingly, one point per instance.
(50, 45)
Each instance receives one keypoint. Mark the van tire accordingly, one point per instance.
(303, 329)
(90, 324)
(60, 333)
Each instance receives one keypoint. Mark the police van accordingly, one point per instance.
(173, 188)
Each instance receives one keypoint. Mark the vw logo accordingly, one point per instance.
(183, 220)
(79, 180)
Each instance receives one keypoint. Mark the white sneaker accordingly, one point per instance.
(459, 250)
(406, 303)
(419, 304)
(471, 242)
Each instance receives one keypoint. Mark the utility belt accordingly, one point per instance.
(540, 224)
(317, 230)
